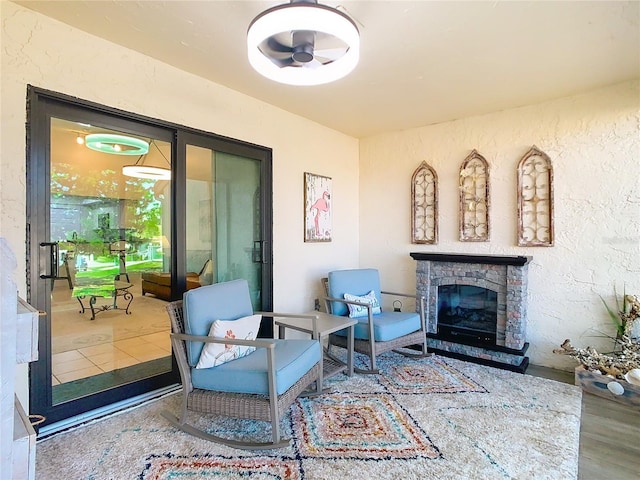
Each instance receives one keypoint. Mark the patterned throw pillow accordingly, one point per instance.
(245, 328)
(356, 311)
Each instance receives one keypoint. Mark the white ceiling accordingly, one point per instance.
(421, 62)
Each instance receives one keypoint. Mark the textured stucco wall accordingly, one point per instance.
(593, 141)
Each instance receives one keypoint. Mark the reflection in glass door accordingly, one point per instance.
(109, 229)
(223, 217)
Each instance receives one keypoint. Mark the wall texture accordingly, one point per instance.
(593, 141)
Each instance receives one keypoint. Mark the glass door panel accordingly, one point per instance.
(223, 218)
(108, 231)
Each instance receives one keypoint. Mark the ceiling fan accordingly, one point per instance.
(303, 43)
(298, 49)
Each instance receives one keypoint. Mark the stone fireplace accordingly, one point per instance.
(475, 306)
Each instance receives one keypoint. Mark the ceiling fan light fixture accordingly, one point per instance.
(109, 143)
(302, 16)
(148, 172)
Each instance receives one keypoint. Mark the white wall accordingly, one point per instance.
(593, 141)
(45, 53)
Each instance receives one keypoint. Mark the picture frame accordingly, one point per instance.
(317, 208)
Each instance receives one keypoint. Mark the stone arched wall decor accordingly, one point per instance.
(535, 199)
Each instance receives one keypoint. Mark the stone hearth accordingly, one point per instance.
(505, 275)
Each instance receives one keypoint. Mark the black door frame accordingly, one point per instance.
(41, 106)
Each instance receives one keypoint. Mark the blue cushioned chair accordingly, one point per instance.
(389, 330)
(261, 385)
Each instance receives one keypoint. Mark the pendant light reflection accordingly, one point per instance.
(140, 170)
(116, 144)
(144, 171)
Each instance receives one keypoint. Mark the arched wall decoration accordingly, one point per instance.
(424, 205)
(474, 199)
(535, 199)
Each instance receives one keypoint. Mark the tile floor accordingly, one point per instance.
(89, 361)
(71, 364)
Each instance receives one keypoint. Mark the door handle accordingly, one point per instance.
(259, 252)
(53, 259)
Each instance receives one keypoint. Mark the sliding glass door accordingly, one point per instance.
(123, 216)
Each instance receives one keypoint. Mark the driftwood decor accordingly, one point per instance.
(535, 199)
(424, 205)
(474, 199)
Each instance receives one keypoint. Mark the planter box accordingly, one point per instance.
(596, 384)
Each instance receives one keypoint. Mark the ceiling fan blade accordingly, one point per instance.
(276, 46)
(313, 64)
(330, 53)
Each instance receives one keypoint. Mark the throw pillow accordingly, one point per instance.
(357, 311)
(245, 328)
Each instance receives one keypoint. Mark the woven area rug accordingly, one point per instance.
(433, 418)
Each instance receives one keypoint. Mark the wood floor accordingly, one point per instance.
(609, 434)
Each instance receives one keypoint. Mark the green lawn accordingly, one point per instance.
(109, 271)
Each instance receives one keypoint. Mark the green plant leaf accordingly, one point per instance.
(614, 317)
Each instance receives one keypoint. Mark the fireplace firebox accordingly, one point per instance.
(467, 313)
(475, 306)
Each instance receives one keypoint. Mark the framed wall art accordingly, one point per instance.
(317, 208)
(474, 199)
(535, 199)
(424, 205)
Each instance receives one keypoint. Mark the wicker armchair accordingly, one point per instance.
(278, 370)
(389, 330)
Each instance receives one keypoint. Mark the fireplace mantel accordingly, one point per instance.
(518, 261)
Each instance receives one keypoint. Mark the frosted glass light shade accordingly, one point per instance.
(303, 16)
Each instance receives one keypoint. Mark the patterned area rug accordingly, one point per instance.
(433, 418)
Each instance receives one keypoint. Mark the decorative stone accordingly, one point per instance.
(633, 376)
(615, 388)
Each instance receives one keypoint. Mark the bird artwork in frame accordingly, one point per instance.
(317, 208)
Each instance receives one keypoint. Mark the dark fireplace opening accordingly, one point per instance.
(467, 313)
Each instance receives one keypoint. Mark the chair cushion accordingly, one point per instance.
(293, 358)
(386, 326)
(357, 311)
(358, 282)
(220, 301)
(245, 328)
